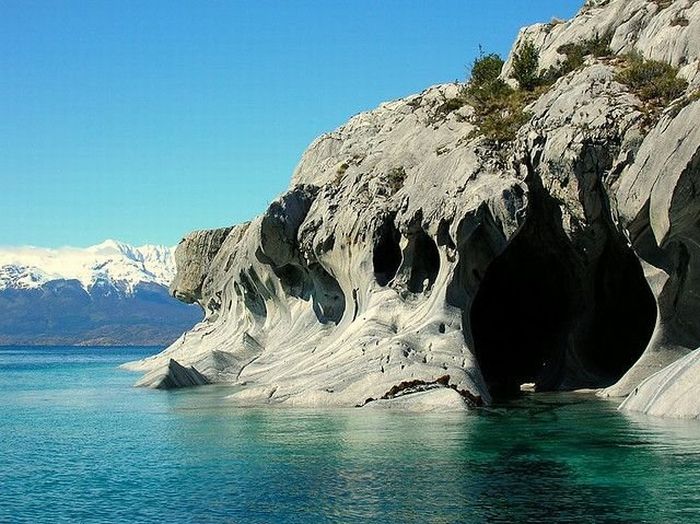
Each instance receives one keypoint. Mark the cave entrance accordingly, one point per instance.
(386, 257)
(424, 258)
(543, 315)
(520, 318)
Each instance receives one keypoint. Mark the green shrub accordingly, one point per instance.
(652, 81)
(342, 168)
(498, 117)
(503, 122)
(576, 53)
(449, 105)
(526, 66)
(481, 95)
(486, 69)
(498, 108)
(483, 84)
(656, 83)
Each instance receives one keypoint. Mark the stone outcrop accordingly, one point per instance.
(173, 376)
(409, 250)
(664, 30)
(673, 391)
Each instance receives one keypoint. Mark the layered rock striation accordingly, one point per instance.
(673, 391)
(415, 263)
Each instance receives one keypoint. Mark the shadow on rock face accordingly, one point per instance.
(328, 296)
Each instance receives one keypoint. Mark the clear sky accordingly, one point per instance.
(143, 120)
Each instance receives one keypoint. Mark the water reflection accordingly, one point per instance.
(551, 457)
(80, 444)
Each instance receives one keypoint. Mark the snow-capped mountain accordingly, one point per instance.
(108, 294)
(112, 262)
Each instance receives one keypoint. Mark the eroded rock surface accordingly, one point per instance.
(173, 376)
(409, 249)
(668, 31)
(673, 391)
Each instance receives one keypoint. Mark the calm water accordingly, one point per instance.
(79, 444)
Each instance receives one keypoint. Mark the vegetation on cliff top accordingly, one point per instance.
(499, 109)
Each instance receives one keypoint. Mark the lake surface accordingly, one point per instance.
(79, 444)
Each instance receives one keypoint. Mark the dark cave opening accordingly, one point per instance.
(315, 283)
(327, 295)
(386, 257)
(425, 262)
(294, 280)
(543, 315)
(624, 316)
(520, 318)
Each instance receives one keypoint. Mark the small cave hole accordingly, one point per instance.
(327, 295)
(425, 262)
(443, 235)
(386, 257)
(294, 280)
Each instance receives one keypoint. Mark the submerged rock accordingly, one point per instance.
(409, 248)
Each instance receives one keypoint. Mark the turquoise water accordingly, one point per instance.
(79, 444)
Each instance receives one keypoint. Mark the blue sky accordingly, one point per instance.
(143, 120)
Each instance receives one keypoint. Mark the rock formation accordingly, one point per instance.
(412, 258)
(173, 376)
(673, 391)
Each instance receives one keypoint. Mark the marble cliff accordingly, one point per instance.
(415, 263)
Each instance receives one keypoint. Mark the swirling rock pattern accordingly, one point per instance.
(410, 251)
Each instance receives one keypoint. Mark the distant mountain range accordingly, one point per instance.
(108, 294)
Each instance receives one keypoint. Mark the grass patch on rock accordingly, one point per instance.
(499, 109)
(576, 53)
(657, 84)
(652, 81)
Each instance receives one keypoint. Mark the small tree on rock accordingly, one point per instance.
(484, 83)
(486, 69)
(526, 66)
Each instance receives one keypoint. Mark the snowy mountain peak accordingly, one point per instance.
(109, 246)
(110, 262)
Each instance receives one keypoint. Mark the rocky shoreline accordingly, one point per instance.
(411, 248)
